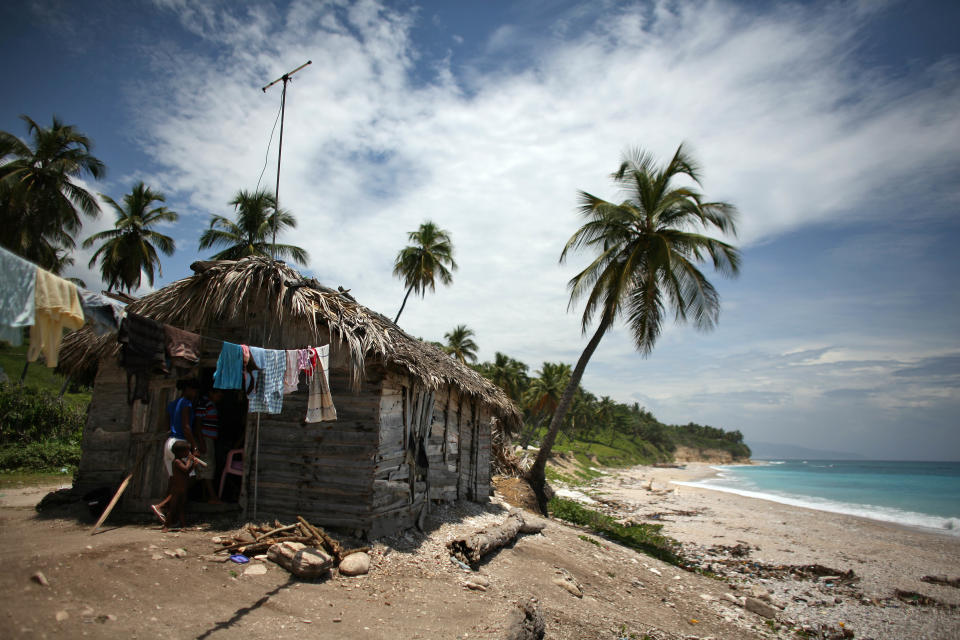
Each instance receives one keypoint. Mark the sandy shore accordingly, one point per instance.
(886, 557)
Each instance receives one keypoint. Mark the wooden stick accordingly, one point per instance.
(280, 528)
(332, 545)
(113, 502)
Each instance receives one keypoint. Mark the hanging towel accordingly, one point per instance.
(142, 354)
(18, 280)
(268, 394)
(320, 403)
(57, 308)
(254, 383)
(291, 374)
(229, 373)
(103, 313)
(183, 347)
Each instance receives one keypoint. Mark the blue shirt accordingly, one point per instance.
(175, 411)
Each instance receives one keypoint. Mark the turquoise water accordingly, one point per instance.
(923, 494)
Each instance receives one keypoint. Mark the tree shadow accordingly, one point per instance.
(240, 613)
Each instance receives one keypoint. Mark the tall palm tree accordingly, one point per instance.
(420, 264)
(460, 344)
(40, 203)
(250, 234)
(129, 250)
(647, 256)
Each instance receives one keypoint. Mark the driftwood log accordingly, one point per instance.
(300, 560)
(526, 622)
(471, 548)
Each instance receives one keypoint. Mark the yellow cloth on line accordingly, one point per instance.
(57, 308)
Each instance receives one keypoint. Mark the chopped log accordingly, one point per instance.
(260, 547)
(526, 622)
(300, 560)
(471, 548)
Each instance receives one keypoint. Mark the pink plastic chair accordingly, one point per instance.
(233, 466)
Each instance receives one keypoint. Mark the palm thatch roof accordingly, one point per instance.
(222, 292)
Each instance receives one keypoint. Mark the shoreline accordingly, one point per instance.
(885, 556)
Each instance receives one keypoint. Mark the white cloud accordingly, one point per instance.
(786, 122)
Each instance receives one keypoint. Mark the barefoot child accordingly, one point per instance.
(183, 464)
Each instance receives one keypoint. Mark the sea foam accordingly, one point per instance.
(873, 512)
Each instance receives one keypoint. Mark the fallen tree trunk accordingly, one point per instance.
(472, 547)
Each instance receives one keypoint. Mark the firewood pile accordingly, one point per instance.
(253, 539)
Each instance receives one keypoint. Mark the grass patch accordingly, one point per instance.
(40, 376)
(620, 450)
(589, 539)
(20, 479)
(645, 538)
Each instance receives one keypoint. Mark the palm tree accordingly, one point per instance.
(429, 257)
(544, 394)
(647, 252)
(249, 235)
(460, 344)
(508, 374)
(129, 250)
(40, 204)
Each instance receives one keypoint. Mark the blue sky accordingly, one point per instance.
(834, 127)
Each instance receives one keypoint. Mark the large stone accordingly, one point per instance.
(255, 570)
(300, 560)
(355, 564)
(760, 608)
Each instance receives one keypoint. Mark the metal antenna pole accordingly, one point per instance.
(285, 78)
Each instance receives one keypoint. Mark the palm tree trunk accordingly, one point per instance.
(403, 305)
(536, 476)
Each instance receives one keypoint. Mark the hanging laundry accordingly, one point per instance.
(229, 373)
(291, 374)
(57, 308)
(183, 347)
(319, 402)
(18, 280)
(142, 354)
(253, 384)
(304, 360)
(268, 395)
(103, 314)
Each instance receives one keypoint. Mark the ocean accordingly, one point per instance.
(919, 494)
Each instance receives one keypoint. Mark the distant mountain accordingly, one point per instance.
(779, 451)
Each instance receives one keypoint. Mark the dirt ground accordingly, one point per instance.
(127, 582)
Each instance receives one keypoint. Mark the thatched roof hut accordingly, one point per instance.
(396, 397)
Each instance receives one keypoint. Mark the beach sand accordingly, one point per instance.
(886, 557)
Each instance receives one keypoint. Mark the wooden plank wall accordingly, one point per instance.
(106, 434)
(322, 471)
(456, 467)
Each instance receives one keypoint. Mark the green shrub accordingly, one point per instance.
(645, 538)
(47, 455)
(32, 415)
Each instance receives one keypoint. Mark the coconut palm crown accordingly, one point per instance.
(40, 201)
(429, 258)
(129, 250)
(460, 344)
(250, 234)
(647, 253)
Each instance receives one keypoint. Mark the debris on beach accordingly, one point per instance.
(942, 580)
(301, 548)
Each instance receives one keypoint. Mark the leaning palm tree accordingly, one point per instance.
(420, 264)
(129, 250)
(40, 202)
(647, 257)
(460, 344)
(257, 220)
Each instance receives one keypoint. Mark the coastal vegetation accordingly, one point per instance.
(460, 344)
(129, 250)
(428, 258)
(647, 253)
